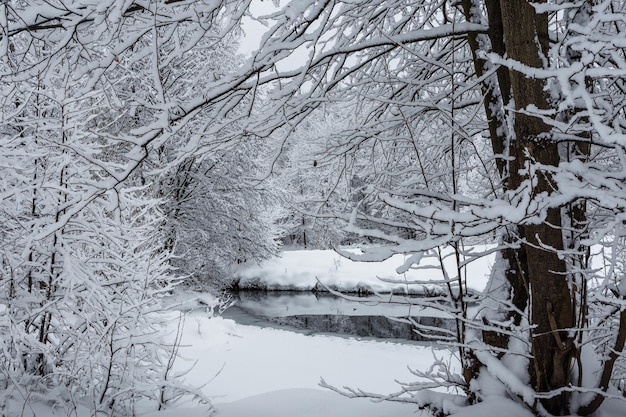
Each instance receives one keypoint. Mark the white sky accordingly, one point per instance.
(253, 30)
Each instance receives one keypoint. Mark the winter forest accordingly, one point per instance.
(153, 148)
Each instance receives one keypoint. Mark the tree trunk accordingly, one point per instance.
(526, 39)
(497, 92)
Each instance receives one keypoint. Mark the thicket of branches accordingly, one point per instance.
(478, 118)
(482, 118)
(103, 171)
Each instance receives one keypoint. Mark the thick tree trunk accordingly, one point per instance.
(526, 39)
(497, 92)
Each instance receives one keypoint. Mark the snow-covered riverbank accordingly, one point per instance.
(270, 372)
(303, 270)
(252, 371)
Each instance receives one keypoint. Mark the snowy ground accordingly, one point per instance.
(268, 372)
(264, 372)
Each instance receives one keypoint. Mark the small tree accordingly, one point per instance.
(220, 214)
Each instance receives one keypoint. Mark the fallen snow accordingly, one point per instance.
(301, 270)
(252, 371)
(313, 403)
(246, 361)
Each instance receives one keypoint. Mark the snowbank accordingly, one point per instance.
(305, 270)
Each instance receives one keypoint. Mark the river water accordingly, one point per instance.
(386, 316)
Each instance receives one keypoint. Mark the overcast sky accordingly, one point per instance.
(254, 30)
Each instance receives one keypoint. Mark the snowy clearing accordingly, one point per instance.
(270, 372)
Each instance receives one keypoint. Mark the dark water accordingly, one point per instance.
(368, 317)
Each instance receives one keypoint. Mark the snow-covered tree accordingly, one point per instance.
(312, 181)
(516, 107)
(92, 95)
(220, 214)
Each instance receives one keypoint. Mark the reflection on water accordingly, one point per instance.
(382, 317)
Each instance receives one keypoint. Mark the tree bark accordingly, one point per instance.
(526, 39)
(497, 92)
